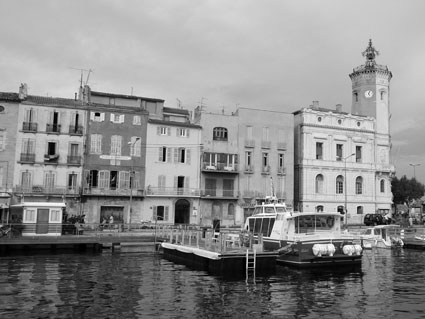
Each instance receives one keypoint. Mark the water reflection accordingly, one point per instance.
(143, 285)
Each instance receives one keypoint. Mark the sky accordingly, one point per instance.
(224, 54)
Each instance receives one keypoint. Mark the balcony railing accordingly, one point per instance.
(27, 157)
(249, 169)
(249, 143)
(53, 128)
(51, 158)
(112, 192)
(46, 190)
(220, 167)
(281, 171)
(76, 129)
(219, 193)
(74, 160)
(265, 170)
(29, 127)
(172, 191)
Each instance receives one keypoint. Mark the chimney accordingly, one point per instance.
(315, 105)
(338, 108)
(75, 96)
(23, 91)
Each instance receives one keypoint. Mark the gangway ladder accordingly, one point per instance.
(251, 261)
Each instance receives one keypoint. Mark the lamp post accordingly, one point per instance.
(345, 187)
(414, 169)
(130, 209)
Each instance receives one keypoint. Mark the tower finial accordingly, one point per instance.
(370, 53)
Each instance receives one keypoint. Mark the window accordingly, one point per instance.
(228, 187)
(281, 160)
(319, 119)
(26, 180)
(210, 187)
(182, 132)
(358, 154)
(319, 184)
(117, 118)
(124, 180)
(55, 215)
(51, 148)
(97, 116)
(72, 181)
(382, 186)
(339, 152)
(29, 215)
(356, 97)
(181, 155)
(319, 208)
(161, 183)
(359, 210)
(231, 210)
(163, 130)
(49, 180)
(340, 185)
(319, 150)
(359, 185)
(266, 134)
(249, 132)
(248, 158)
(113, 179)
(104, 179)
(137, 120)
(220, 134)
(160, 212)
(382, 95)
(28, 146)
(116, 141)
(96, 144)
(339, 122)
(265, 160)
(164, 154)
(1, 108)
(135, 146)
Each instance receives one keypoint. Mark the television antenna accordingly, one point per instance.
(82, 74)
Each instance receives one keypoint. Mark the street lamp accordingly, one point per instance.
(130, 209)
(414, 169)
(345, 186)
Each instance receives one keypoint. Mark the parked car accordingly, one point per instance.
(374, 219)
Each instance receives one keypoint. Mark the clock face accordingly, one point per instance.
(368, 93)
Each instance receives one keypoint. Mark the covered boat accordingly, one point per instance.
(303, 239)
(382, 236)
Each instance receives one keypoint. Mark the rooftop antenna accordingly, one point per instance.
(179, 103)
(202, 102)
(82, 73)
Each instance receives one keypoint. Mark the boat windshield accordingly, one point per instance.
(312, 223)
(261, 225)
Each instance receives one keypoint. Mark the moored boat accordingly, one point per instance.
(303, 239)
(382, 236)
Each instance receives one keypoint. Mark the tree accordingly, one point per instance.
(406, 191)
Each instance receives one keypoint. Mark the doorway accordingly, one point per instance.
(42, 226)
(182, 212)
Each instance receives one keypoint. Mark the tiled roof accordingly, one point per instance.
(124, 96)
(45, 100)
(173, 123)
(175, 110)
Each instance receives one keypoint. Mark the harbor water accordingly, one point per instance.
(390, 284)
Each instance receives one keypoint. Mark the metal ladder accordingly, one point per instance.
(251, 260)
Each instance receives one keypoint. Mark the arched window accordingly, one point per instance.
(220, 134)
(1, 108)
(319, 184)
(382, 186)
(356, 97)
(340, 184)
(359, 185)
(231, 210)
(359, 209)
(319, 208)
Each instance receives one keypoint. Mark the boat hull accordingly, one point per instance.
(301, 253)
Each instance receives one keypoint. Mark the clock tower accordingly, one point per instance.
(370, 89)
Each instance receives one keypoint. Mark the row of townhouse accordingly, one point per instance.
(136, 160)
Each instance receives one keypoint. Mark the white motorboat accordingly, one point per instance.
(382, 236)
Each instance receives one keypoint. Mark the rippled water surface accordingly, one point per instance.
(391, 284)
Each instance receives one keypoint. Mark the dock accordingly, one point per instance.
(220, 253)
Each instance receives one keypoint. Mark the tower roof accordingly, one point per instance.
(370, 65)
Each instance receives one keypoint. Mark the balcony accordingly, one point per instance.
(265, 170)
(53, 128)
(29, 127)
(249, 169)
(27, 158)
(99, 191)
(219, 193)
(74, 160)
(220, 168)
(51, 158)
(76, 130)
(172, 191)
(266, 144)
(249, 143)
(46, 190)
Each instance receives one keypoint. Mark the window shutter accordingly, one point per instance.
(158, 130)
(186, 182)
(169, 131)
(166, 213)
(91, 116)
(122, 117)
(176, 155)
(102, 117)
(160, 158)
(175, 182)
(112, 117)
(187, 132)
(168, 154)
(188, 156)
(154, 213)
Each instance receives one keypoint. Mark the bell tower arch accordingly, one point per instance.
(371, 90)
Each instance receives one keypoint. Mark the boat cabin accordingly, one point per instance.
(38, 218)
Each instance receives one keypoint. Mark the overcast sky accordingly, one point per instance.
(274, 54)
